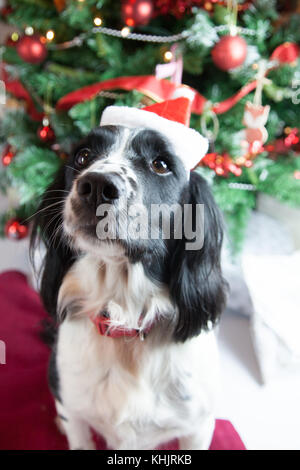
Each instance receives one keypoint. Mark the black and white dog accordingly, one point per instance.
(134, 355)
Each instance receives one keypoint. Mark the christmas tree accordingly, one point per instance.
(66, 60)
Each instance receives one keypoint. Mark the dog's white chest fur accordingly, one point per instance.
(171, 394)
(137, 394)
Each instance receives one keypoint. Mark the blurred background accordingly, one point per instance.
(64, 61)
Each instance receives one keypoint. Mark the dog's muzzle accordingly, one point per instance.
(96, 188)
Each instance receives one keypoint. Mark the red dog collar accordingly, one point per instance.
(104, 328)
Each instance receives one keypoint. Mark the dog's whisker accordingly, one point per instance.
(56, 216)
(57, 229)
(56, 191)
(72, 168)
(43, 210)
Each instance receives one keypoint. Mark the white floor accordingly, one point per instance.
(267, 417)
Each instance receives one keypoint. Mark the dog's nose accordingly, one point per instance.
(96, 188)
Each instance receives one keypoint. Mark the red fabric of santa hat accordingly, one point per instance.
(171, 118)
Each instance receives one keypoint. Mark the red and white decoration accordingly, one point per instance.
(174, 69)
(256, 116)
(255, 119)
(171, 118)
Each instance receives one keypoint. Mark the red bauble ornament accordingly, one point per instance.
(15, 230)
(31, 49)
(137, 12)
(286, 53)
(7, 156)
(45, 132)
(230, 52)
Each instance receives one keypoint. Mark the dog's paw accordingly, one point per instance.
(87, 446)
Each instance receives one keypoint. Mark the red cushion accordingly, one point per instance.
(27, 414)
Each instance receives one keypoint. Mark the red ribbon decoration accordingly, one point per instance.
(227, 104)
(157, 89)
(149, 85)
(15, 88)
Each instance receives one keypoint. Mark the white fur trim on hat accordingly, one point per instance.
(189, 145)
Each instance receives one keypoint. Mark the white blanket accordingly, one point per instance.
(274, 285)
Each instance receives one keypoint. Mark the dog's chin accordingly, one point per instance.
(83, 237)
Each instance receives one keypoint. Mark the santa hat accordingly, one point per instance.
(171, 118)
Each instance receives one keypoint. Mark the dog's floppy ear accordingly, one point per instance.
(196, 283)
(47, 228)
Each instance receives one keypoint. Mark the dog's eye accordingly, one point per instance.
(160, 166)
(82, 158)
